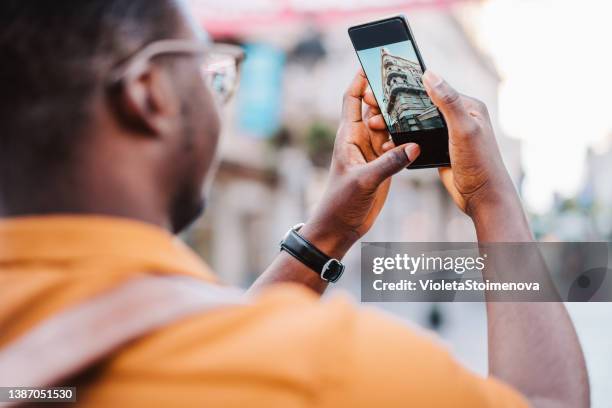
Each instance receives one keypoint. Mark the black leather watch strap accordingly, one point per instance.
(330, 269)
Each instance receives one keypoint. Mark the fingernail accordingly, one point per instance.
(387, 145)
(431, 79)
(412, 151)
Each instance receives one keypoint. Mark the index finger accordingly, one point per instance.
(351, 107)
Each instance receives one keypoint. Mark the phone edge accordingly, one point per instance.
(421, 61)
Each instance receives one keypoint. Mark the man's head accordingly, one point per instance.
(72, 141)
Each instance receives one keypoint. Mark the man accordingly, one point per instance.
(109, 133)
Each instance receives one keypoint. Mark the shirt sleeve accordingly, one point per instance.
(392, 365)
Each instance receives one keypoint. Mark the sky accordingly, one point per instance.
(370, 59)
(555, 60)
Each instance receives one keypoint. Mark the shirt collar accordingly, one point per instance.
(65, 238)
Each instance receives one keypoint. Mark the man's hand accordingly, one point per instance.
(363, 161)
(477, 176)
(362, 164)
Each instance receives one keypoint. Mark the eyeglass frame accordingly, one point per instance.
(138, 62)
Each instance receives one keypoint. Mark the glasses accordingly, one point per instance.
(220, 66)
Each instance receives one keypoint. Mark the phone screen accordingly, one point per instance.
(394, 69)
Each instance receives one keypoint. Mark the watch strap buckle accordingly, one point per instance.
(332, 270)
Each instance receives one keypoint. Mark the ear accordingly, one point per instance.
(148, 100)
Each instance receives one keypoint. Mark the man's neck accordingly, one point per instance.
(111, 203)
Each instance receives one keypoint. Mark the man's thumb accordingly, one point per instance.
(391, 162)
(444, 96)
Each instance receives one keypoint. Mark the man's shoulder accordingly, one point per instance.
(285, 332)
(290, 312)
(286, 319)
(289, 346)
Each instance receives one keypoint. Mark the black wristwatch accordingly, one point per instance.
(328, 268)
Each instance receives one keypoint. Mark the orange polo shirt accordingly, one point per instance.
(287, 349)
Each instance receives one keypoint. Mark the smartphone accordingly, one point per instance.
(394, 67)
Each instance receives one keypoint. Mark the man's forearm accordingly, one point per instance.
(500, 218)
(532, 346)
(285, 268)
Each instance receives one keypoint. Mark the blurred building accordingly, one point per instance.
(598, 188)
(265, 186)
(586, 216)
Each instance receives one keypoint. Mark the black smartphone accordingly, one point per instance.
(394, 67)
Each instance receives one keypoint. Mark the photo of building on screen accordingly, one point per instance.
(408, 107)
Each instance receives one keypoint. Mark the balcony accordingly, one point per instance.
(396, 74)
(429, 113)
(396, 89)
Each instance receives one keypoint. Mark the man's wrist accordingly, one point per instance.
(492, 197)
(332, 244)
(498, 216)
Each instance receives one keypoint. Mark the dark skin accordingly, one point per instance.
(147, 156)
(360, 176)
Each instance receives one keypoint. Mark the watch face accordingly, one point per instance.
(332, 271)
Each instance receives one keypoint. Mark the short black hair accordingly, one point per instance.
(54, 56)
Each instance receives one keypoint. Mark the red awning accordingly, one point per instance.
(239, 16)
